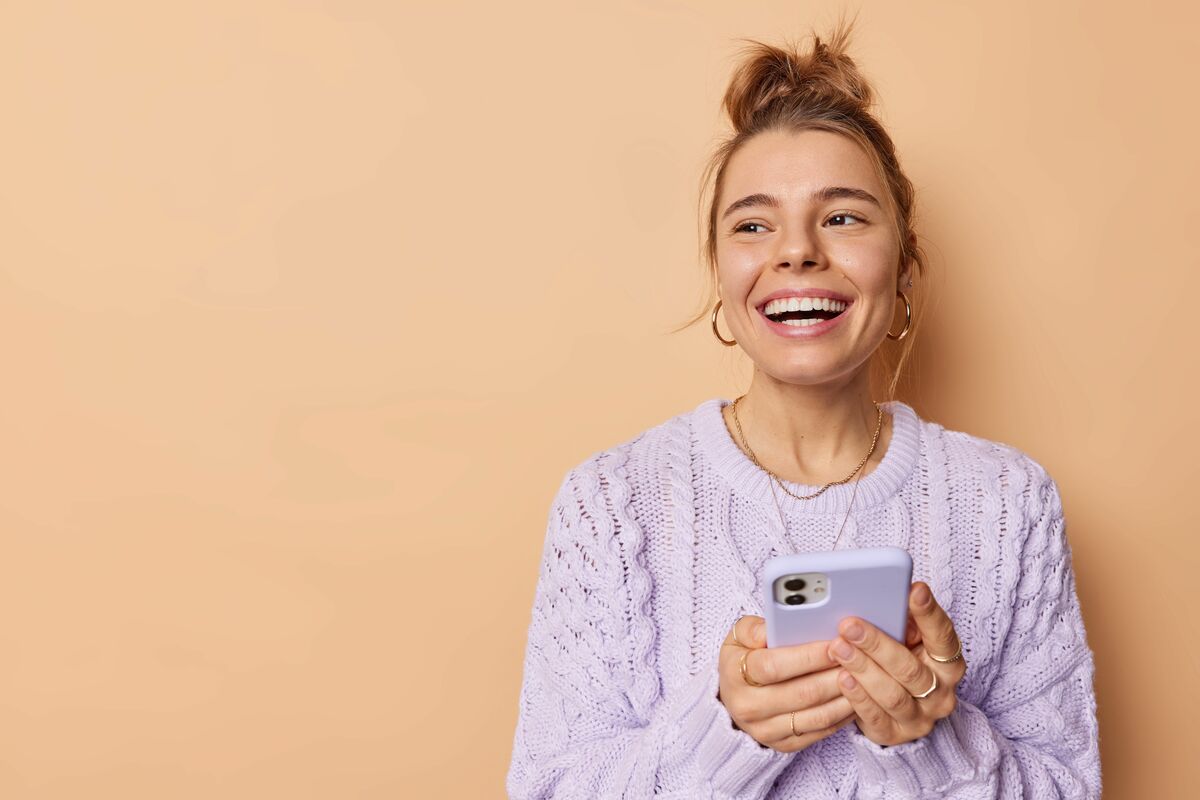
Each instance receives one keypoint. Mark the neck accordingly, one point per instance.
(810, 434)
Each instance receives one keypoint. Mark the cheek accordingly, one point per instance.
(874, 286)
(872, 271)
(737, 278)
(739, 260)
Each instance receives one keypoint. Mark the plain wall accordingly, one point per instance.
(307, 308)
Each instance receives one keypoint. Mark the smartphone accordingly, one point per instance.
(806, 595)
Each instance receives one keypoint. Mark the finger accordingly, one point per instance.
(794, 743)
(937, 630)
(813, 720)
(774, 665)
(747, 632)
(896, 660)
(801, 693)
(875, 723)
(912, 634)
(811, 724)
(888, 693)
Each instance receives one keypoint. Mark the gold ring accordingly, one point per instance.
(735, 639)
(794, 724)
(928, 691)
(745, 675)
(954, 657)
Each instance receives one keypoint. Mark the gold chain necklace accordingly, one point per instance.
(754, 458)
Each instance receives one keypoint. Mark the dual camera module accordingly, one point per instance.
(795, 590)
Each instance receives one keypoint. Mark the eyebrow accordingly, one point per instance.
(820, 195)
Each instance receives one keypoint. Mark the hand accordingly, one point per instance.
(881, 675)
(800, 678)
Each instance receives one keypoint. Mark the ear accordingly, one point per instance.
(906, 266)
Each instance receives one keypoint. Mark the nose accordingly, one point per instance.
(799, 247)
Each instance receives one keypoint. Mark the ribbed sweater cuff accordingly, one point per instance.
(960, 747)
(734, 764)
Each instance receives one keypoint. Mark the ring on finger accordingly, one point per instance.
(928, 691)
(957, 656)
(794, 733)
(745, 675)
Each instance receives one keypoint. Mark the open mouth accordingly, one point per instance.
(801, 314)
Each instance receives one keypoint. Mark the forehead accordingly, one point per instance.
(791, 165)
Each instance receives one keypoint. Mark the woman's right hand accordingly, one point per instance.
(798, 678)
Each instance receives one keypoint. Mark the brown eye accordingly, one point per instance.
(745, 225)
(845, 216)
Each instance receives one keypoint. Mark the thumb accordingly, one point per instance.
(757, 635)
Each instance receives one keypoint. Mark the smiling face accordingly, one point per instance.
(794, 226)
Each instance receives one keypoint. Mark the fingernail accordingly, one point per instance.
(855, 632)
(842, 650)
(923, 596)
(848, 681)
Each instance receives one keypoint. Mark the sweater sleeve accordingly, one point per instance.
(592, 722)
(1034, 734)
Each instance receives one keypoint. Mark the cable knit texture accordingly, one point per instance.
(654, 547)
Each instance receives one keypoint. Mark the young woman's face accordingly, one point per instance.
(785, 222)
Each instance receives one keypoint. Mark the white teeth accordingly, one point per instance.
(803, 304)
(801, 323)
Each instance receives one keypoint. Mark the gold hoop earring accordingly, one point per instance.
(907, 318)
(717, 333)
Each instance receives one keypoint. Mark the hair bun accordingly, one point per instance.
(823, 78)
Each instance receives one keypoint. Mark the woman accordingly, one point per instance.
(646, 671)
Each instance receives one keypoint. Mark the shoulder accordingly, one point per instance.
(625, 499)
(993, 470)
(632, 467)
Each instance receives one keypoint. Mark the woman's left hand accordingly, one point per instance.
(881, 675)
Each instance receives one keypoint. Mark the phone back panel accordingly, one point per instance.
(871, 583)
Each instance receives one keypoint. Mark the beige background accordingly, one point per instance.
(307, 308)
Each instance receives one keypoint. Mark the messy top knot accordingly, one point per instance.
(773, 81)
(790, 89)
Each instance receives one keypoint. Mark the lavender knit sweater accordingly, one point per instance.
(655, 546)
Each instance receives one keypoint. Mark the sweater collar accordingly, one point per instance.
(747, 478)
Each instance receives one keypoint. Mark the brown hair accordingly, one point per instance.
(784, 88)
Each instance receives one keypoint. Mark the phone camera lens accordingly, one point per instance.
(794, 599)
(794, 584)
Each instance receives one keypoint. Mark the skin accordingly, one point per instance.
(809, 417)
